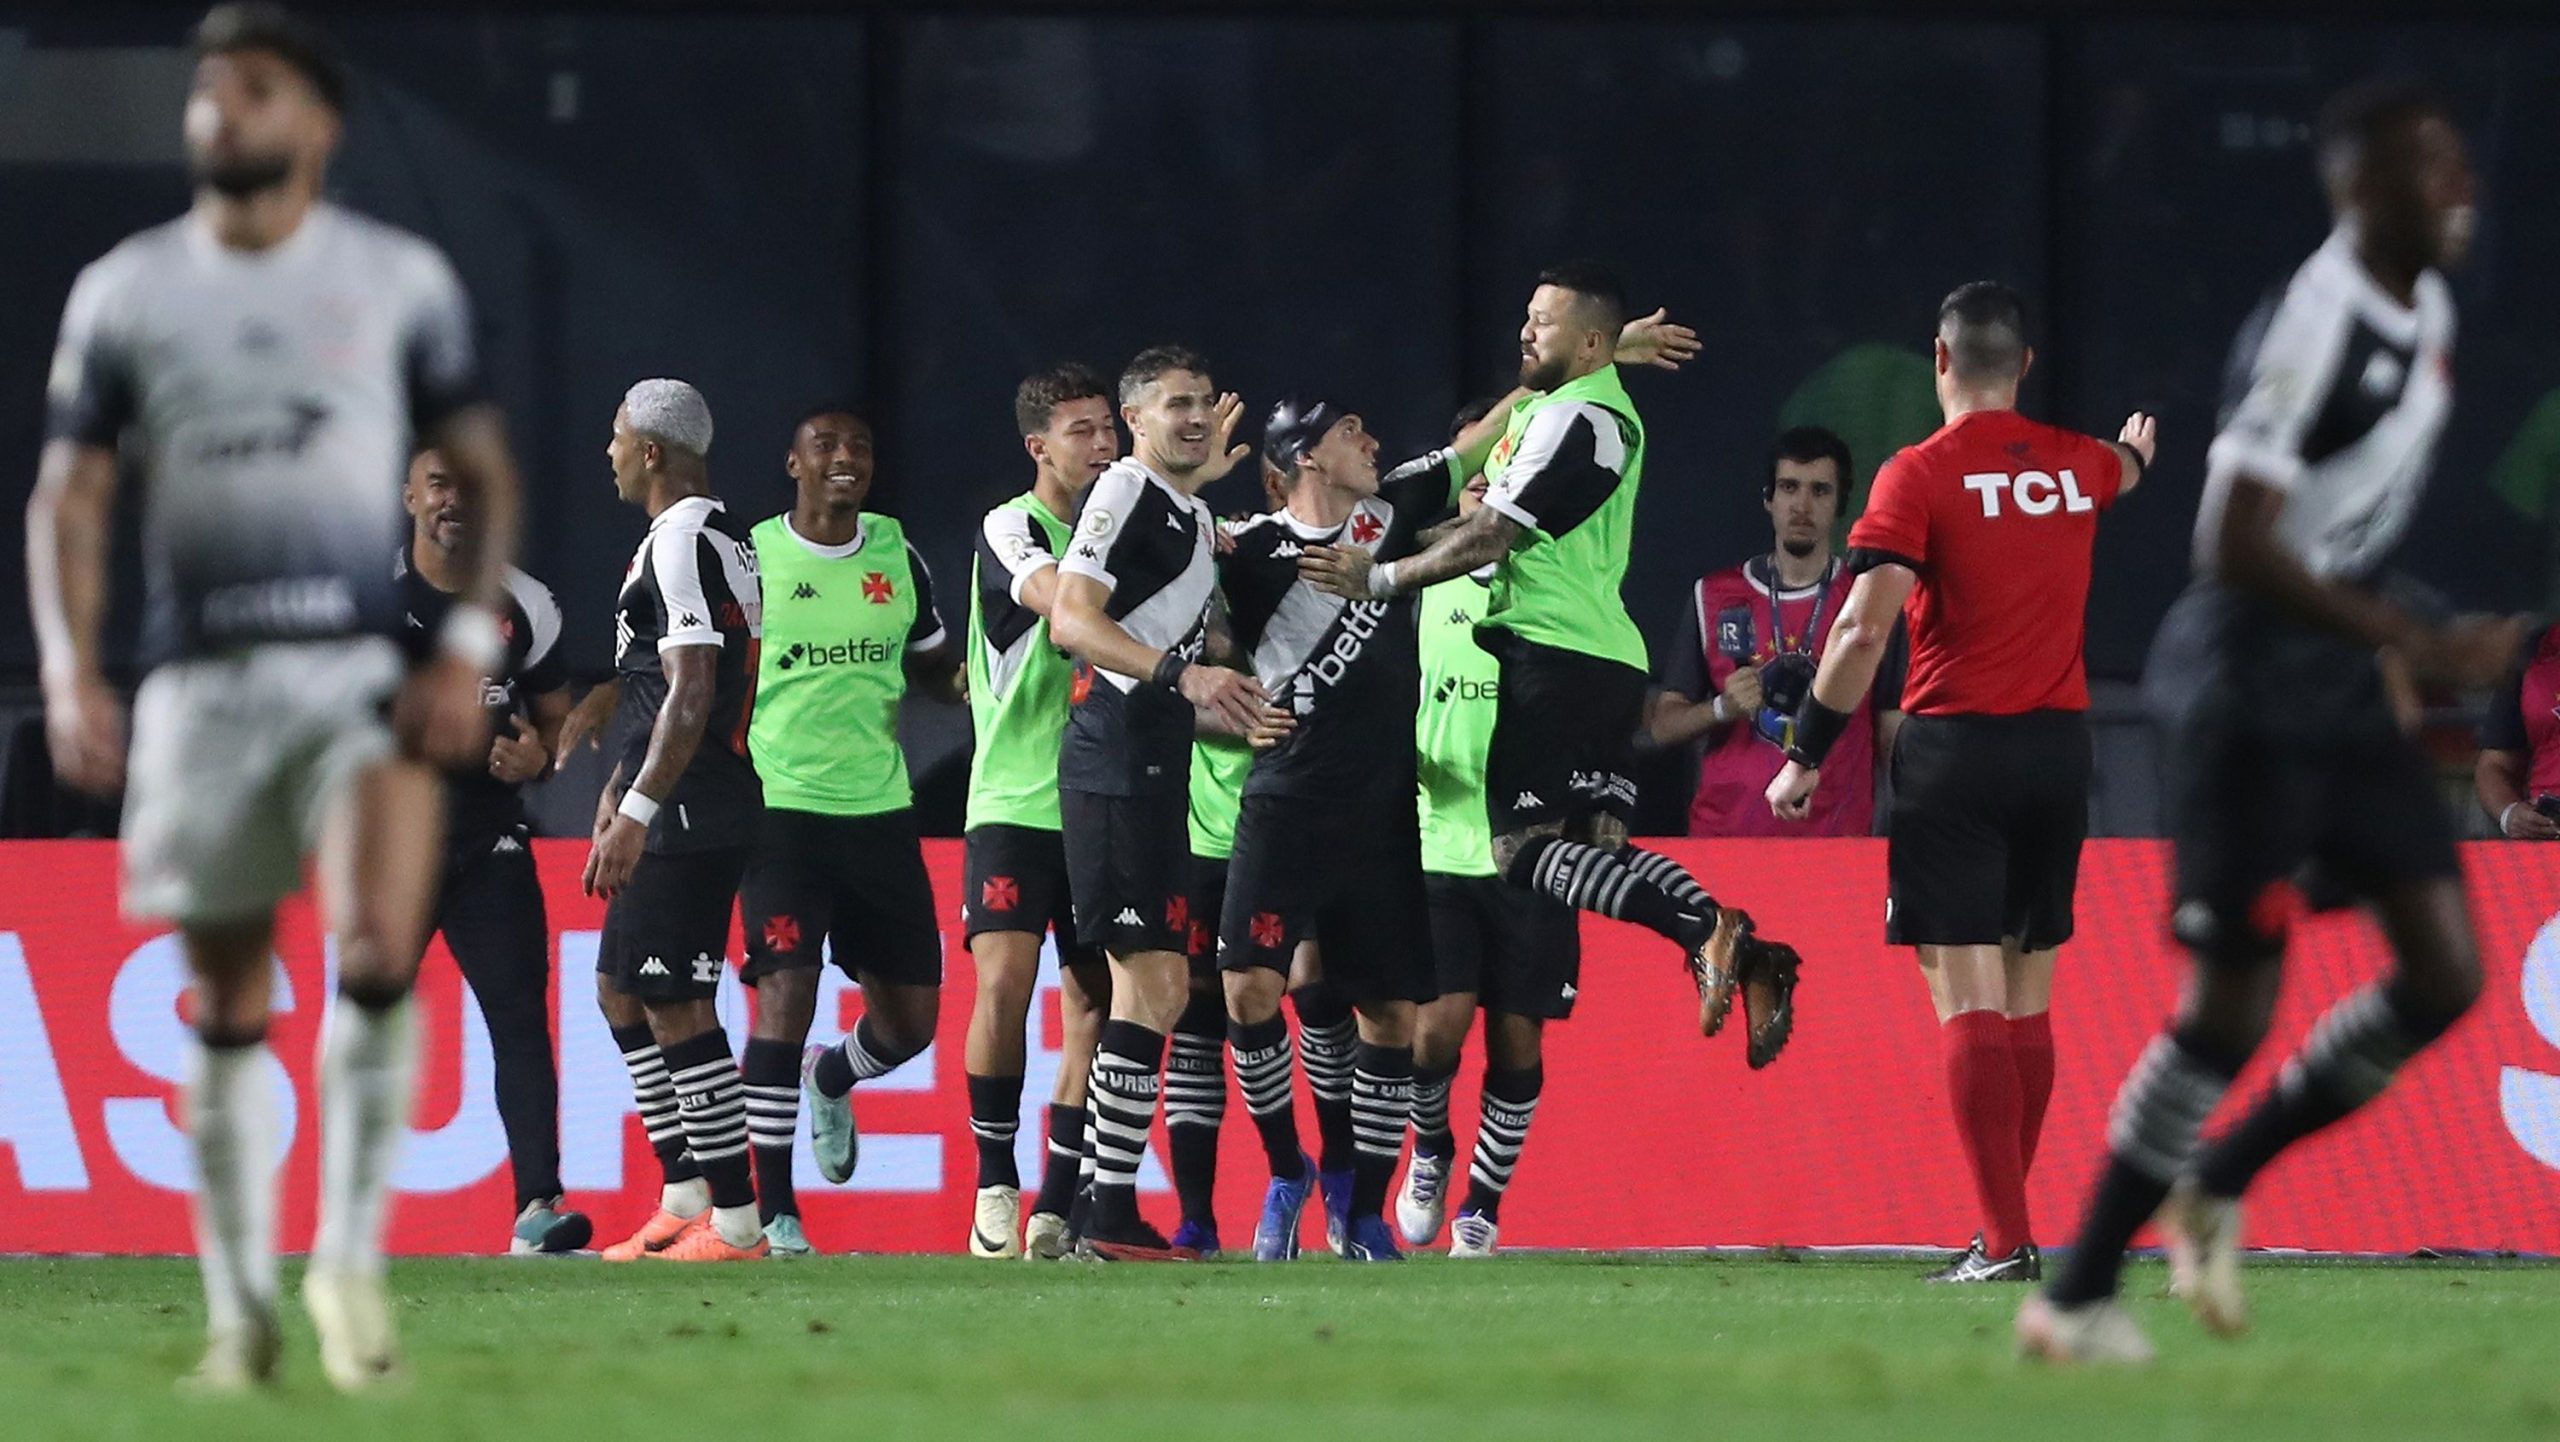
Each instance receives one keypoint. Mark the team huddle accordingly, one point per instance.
(1364, 756)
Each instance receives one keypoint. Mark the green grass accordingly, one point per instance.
(1559, 1349)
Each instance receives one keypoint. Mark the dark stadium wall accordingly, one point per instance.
(913, 211)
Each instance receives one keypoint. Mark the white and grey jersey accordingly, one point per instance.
(1153, 547)
(272, 400)
(693, 582)
(2336, 396)
(1349, 671)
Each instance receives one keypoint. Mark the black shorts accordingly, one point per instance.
(1983, 839)
(666, 933)
(2256, 813)
(1351, 874)
(1017, 881)
(1519, 953)
(1208, 905)
(1129, 869)
(1564, 732)
(850, 888)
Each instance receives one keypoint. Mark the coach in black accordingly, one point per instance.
(490, 905)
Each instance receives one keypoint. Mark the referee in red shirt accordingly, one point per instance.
(1980, 536)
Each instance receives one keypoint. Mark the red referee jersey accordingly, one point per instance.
(1998, 514)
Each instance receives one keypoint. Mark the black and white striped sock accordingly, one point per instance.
(1502, 1130)
(1266, 1071)
(2151, 1138)
(655, 1098)
(2353, 1052)
(714, 1105)
(1195, 1105)
(1381, 1102)
(1064, 1172)
(1431, 1111)
(865, 1052)
(1587, 878)
(1325, 1044)
(770, 1072)
(1671, 876)
(1128, 1076)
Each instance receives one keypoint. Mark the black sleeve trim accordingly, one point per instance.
(1863, 559)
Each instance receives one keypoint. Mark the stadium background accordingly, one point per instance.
(912, 210)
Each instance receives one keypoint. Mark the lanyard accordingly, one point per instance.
(1778, 642)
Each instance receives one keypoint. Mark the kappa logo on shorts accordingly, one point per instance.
(782, 933)
(1526, 801)
(653, 967)
(1128, 917)
(706, 968)
(1000, 893)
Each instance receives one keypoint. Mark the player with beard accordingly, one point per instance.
(2276, 675)
(1016, 886)
(1132, 605)
(1557, 522)
(838, 867)
(490, 905)
(265, 363)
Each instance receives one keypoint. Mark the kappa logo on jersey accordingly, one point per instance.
(804, 592)
(686, 620)
(1268, 932)
(2035, 493)
(782, 933)
(1000, 893)
(1288, 551)
(877, 589)
(1366, 529)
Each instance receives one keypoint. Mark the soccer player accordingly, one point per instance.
(1556, 523)
(1749, 642)
(1016, 885)
(1132, 605)
(2274, 675)
(674, 824)
(1514, 953)
(838, 864)
(266, 358)
(490, 904)
(1985, 530)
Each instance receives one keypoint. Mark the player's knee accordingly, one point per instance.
(1253, 995)
(786, 1003)
(1387, 1023)
(1512, 1043)
(2228, 937)
(908, 1015)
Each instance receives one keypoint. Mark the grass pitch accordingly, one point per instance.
(1576, 1348)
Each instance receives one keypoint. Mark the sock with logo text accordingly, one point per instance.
(1326, 1038)
(1509, 1104)
(1195, 1105)
(1610, 884)
(865, 1052)
(1128, 1077)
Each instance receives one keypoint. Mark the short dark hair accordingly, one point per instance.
(1042, 392)
(1151, 364)
(832, 408)
(257, 25)
(2366, 116)
(1472, 412)
(1984, 324)
(1808, 443)
(1598, 287)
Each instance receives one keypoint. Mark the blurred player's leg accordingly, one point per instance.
(232, 1124)
(378, 863)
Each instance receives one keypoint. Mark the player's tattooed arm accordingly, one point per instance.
(70, 519)
(1479, 540)
(1474, 445)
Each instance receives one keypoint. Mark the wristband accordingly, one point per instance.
(1168, 672)
(2139, 464)
(471, 635)
(638, 807)
(2502, 818)
(1382, 580)
(1718, 710)
(1817, 727)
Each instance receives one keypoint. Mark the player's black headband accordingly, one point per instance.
(1295, 428)
(230, 28)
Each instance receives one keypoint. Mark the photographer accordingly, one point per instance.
(1748, 645)
(2518, 775)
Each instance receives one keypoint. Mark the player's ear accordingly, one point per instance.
(1944, 361)
(2026, 361)
(1033, 446)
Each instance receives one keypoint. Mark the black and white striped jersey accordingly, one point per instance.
(693, 582)
(2336, 395)
(1350, 671)
(479, 806)
(1152, 545)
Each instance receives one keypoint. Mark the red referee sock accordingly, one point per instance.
(1982, 1088)
(2031, 1050)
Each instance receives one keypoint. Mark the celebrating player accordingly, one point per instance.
(1556, 522)
(838, 866)
(490, 905)
(674, 824)
(1985, 529)
(2275, 674)
(1132, 605)
(268, 358)
(1016, 884)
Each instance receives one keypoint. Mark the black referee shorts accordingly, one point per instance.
(1129, 869)
(1985, 829)
(666, 933)
(1517, 952)
(1564, 731)
(848, 887)
(1312, 867)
